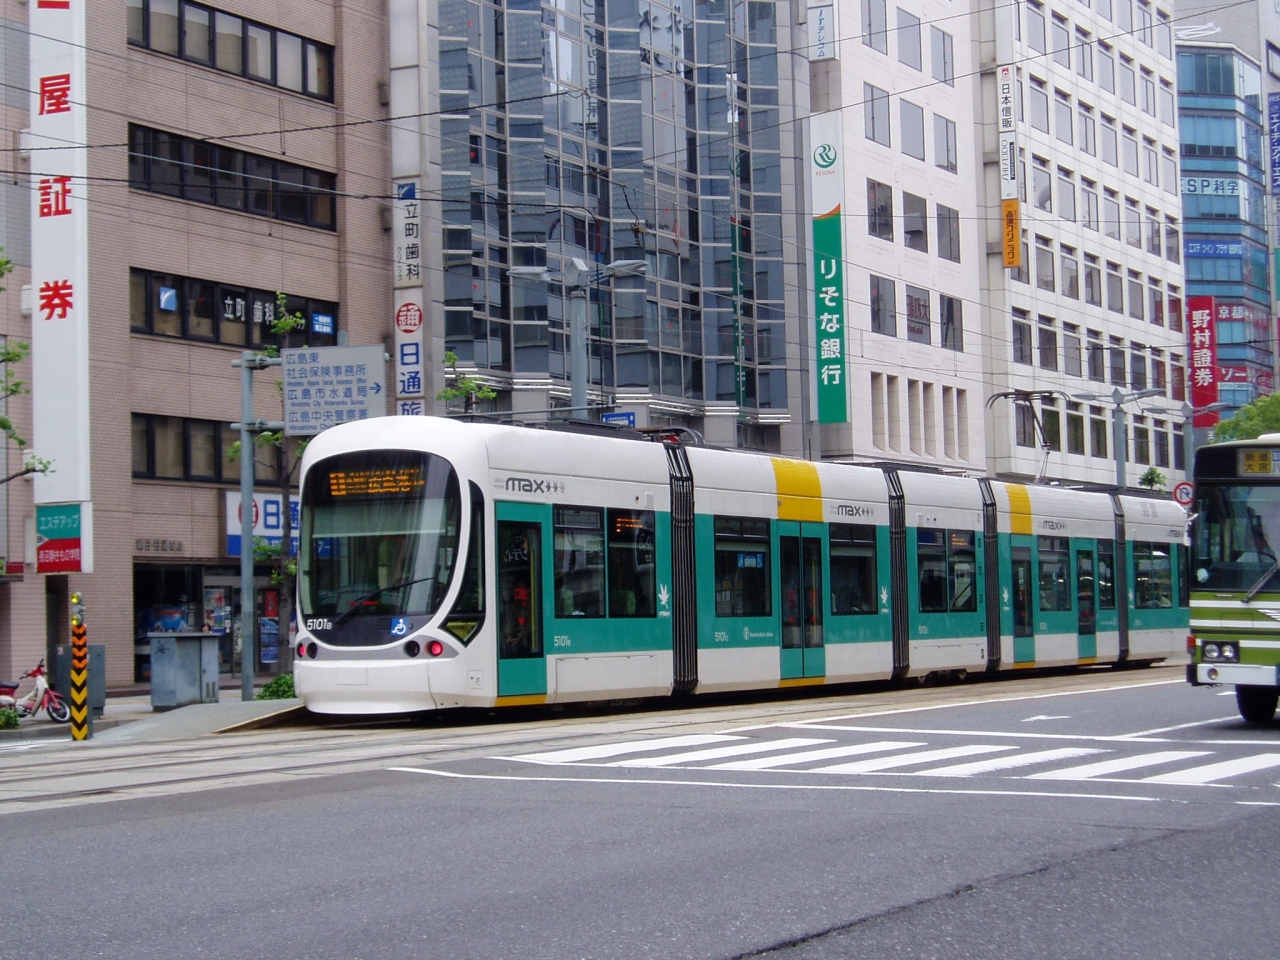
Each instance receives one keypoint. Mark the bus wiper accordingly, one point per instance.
(356, 604)
(1253, 591)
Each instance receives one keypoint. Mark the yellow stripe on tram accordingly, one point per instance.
(531, 700)
(802, 682)
(1019, 508)
(799, 490)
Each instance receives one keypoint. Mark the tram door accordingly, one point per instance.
(522, 669)
(803, 592)
(1086, 600)
(1023, 599)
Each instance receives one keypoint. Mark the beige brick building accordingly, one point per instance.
(235, 150)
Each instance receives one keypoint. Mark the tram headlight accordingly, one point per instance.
(312, 650)
(411, 649)
(1211, 651)
(435, 648)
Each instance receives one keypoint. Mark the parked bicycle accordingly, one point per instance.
(42, 697)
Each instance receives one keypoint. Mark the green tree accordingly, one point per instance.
(1152, 479)
(13, 352)
(1252, 420)
(464, 388)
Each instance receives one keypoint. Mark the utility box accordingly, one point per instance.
(97, 675)
(184, 669)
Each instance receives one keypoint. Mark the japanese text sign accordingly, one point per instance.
(324, 386)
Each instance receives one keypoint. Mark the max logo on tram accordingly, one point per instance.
(447, 564)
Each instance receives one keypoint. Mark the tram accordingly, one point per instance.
(450, 564)
(1235, 581)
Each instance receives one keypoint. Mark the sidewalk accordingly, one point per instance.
(127, 718)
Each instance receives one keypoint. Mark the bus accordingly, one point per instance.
(1235, 573)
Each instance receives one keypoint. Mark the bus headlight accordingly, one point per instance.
(1228, 652)
(1211, 651)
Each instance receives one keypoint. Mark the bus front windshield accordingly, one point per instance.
(379, 535)
(1237, 536)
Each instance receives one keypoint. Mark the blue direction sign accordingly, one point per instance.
(324, 386)
(627, 419)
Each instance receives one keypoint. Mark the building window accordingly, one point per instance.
(1088, 133)
(911, 117)
(875, 107)
(1111, 218)
(948, 233)
(884, 307)
(1136, 299)
(1090, 199)
(1117, 364)
(1084, 56)
(1097, 361)
(1141, 444)
(944, 144)
(915, 222)
(181, 448)
(1035, 28)
(1042, 188)
(909, 40)
(1092, 283)
(1024, 425)
(1066, 196)
(1137, 371)
(1062, 118)
(194, 170)
(1044, 266)
(1098, 437)
(1106, 69)
(951, 323)
(1075, 434)
(1110, 142)
(918, 320)
(880, 210)
(1048, 346)
(1072, 360)
(1070, 274)
(1172, 244)
(221, 40)
(875, 25)
(1039, 106)
(944, 63)
(164, 305)
(1061, 37)
(1021, 342)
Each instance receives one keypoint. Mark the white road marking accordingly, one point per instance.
(1212, 772)
(745, 785)
(1119, 765)
(1045, 716)
(926, 756)
(1226, 693)
(969, 703)
(1177, 726)
(601, 751)
(1007, 763)
(715, 753)
(828, 753)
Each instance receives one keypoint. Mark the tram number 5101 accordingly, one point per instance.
(561, 642)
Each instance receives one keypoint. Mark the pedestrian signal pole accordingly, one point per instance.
(81, 715)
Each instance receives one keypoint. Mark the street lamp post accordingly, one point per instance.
(577, 276)
(1188, 413)
(1120, 436)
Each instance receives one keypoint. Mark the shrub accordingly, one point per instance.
(281, 688)
(8, 718)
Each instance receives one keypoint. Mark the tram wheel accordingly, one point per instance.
(1257, 704)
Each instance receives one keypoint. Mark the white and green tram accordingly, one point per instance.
(1235, 589)
(447, 564)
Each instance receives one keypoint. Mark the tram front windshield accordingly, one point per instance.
(379, 535)
(1237, 536)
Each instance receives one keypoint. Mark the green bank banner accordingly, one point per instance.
(826, 192)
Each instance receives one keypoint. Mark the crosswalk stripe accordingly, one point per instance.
(1212, 772)
(826, 753)
(1090, 770)
(715, 753)
(927, 756)
(1007, 763)
(578, 754)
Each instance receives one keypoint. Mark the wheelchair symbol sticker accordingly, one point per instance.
(399, 626)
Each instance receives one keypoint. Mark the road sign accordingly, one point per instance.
(627, 419)
(324, 386)
(1184, 493)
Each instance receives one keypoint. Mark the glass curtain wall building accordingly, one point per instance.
(609, 130)
(1224, 206)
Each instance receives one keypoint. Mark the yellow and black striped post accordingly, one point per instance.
(81, 714)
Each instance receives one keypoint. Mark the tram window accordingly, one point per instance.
(744, 583)
(467, 614)
(962, 572)
(1106, 574)
(579, 561)
(931, 563)
(519, 598)
(1184, 575)
(1055, 576)
(632, 574)
(853, 569)
(948, 572)
(1152, 576)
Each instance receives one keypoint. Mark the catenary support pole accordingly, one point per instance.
(248, 606)
(578, 352)
(1121, 442)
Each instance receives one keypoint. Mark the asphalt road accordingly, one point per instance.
(1100, 815)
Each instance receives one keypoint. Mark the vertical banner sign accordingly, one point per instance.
(1273, 141)
(823, 38)
(1010, 214)
(1204, 358)
(59, 250)
(826, 192)
(406, 228)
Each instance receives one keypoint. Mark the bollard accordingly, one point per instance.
(81, 715)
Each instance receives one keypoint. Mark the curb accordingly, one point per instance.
(269, 720)
(52, 731)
